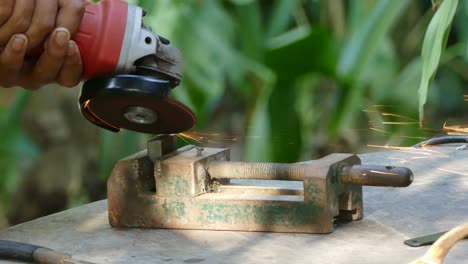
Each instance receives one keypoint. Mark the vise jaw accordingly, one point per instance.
(194, 188)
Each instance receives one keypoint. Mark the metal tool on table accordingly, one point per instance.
(441, 245)
(190, 188)
(424, 240)
(32, 253)
(129, 72)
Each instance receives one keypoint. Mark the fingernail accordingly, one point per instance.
(62, 36)
(71, 49)
(18, 43)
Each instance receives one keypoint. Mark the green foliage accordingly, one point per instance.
(434, 44)
(15, 148)
(266, 56)
(355, 60)
(363, 42)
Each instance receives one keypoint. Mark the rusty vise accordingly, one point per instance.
(196, 188)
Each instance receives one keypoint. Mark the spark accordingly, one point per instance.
(86, 105)
(387, 147)
(379, 130)
(411, 137)
(411, 150)
(392, 106)
(400, 116)
(455, 129)
(452, 171)
(203, 138)
(400, 123)
(185, 136)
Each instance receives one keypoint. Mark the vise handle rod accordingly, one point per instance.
(369, 175)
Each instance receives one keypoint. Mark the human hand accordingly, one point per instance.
(27, 24)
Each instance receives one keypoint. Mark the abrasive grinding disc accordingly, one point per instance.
(135, 103)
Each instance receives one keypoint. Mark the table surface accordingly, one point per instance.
(436, 201)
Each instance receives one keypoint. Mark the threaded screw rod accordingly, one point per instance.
(369, 175)
(257, 171)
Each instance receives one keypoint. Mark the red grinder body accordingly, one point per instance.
(100, 37)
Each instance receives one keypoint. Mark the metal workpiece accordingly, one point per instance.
(371, 175)
(161, 145)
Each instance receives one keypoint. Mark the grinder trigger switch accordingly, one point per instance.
(129, 72)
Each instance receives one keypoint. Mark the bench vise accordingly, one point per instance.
(196, 188)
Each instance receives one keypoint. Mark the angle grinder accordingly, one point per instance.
(129, 72)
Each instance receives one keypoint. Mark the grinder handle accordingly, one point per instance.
(372, 175)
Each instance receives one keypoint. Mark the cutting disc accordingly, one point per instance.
(134, 103)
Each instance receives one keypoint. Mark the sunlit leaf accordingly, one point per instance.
(434, 44)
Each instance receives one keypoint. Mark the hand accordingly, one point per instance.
(38, 18)
(26, 24)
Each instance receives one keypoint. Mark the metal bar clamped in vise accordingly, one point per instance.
(187, 188)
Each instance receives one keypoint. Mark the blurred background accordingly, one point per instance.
(275, 80)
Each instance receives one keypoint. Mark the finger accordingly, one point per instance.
(72, 69)
(43, 22)
(70, 14)
(50, 62)
(6, 8)
(11, 60)
(19, 20)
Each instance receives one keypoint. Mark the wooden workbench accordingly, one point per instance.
(436, 201)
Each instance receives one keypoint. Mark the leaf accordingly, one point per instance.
(301, 51)
(204, 32)
(363, 43)
(291, 56)
(406, 82)
(251, 30)
(280, 17)
(258, 145)
(434, 44)
(356, 57)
